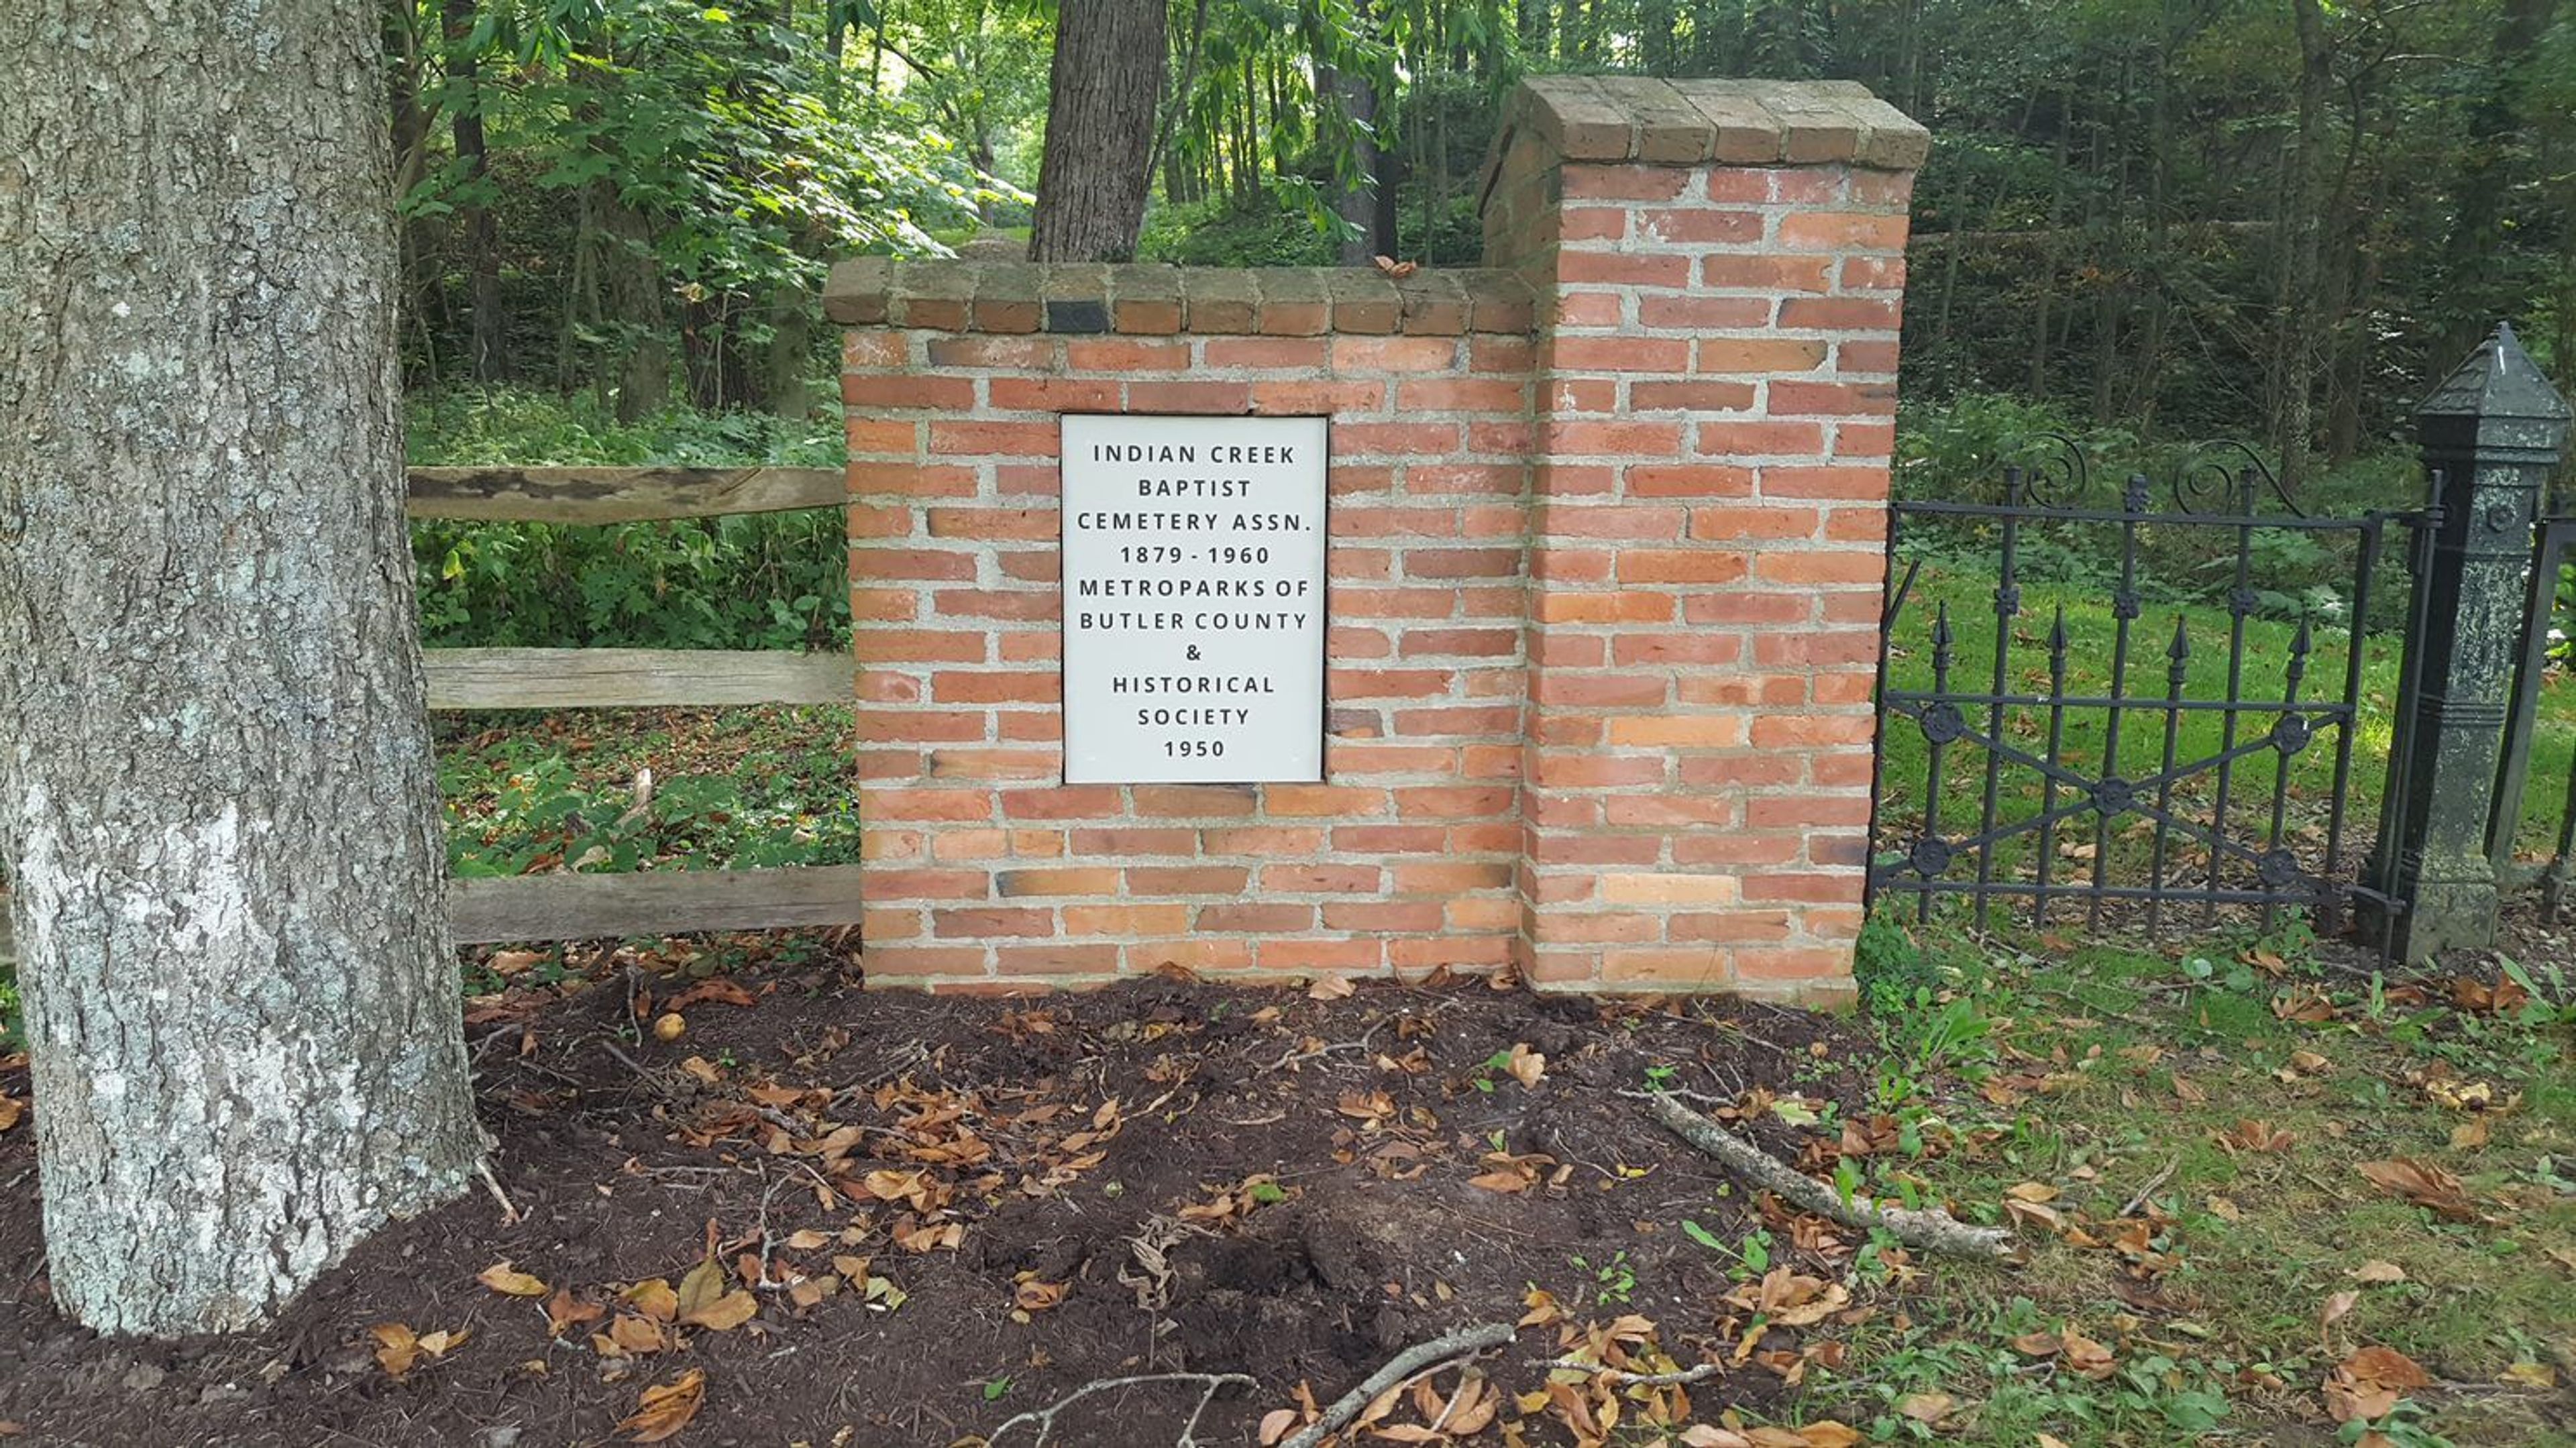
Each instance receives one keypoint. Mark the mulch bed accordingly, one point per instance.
(945, 1211)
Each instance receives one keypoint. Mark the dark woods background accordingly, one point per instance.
(2265, 217)
(2144, 221)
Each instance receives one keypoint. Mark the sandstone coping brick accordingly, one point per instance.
(1686, 122)
(1147, 299)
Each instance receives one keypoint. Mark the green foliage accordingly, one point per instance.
(1958, 449)
(1278, 228)
(737, 790)
(464, 426)
(745, 581)
(716, 159)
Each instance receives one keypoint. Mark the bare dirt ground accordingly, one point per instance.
(827, 1216)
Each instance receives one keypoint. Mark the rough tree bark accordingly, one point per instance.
(216, 793)
(1107, 73)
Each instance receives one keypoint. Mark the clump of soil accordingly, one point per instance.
(946, 1211)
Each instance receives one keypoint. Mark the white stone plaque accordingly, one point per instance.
(1193, 600)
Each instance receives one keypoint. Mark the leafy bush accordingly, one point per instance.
(749, 581)
(738, 789)
(1284, 226)
(1958, 451)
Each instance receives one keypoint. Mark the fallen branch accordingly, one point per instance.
(1933, 1231)
(1209, 1385)
(492, 1184)
(1622, 1378)
(2153, 1182)
(1406, 1364)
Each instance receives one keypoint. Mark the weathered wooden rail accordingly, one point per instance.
(650, 902)
(618, 495)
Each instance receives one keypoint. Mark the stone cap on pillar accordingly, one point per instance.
(1624, 118)
(2498, 380)
(2498, 405)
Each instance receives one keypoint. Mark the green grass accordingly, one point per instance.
(2100, 1074)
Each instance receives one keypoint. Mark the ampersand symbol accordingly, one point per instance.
(1194, 653)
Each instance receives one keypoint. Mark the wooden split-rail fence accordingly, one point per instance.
(567, 906)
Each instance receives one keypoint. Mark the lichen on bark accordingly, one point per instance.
(216, 794)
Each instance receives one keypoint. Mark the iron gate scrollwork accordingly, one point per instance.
(2138, 767)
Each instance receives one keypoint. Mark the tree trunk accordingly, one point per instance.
(1108, 70)
(1537, 23)
(2299, 325)
(2481, 292)
(1360, 171)
(485, 320)
(632, 281)
(216, 793)
(787, 388)
(411, 126)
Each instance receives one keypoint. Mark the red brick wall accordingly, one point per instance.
(984, 867)
(1716, 405)
(1607, 542)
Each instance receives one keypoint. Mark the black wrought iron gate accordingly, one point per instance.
(2146, 705)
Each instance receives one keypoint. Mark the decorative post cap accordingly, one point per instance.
(2499, 381)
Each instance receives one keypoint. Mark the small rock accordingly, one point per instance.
(141, 1378)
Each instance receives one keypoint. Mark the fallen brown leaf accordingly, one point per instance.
(396, 1348)
(2084, 1356)
(2424, 1184)
(501, 1277)
(704, 1301)
(667, 1408)
(2255, 1135)
(564, 1311)
(2368, 1384)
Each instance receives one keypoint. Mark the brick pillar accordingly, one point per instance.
(1719, 267)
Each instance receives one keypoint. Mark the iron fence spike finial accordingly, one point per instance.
(2180, 649)
(2057, 630)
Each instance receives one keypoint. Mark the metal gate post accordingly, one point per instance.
(2490, 435)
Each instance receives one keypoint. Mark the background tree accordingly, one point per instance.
(1102, 92)
(220, 815)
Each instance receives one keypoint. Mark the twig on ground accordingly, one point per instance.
(913, 1054)
(638, 1067)
(1934, 1230)
(2153, 1182)
(1622, 1378)
(1209, 1385)
(1730, 1028)
(492, 1184)
(766, 1242)
(1406, 1364)
(1682, 1094)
